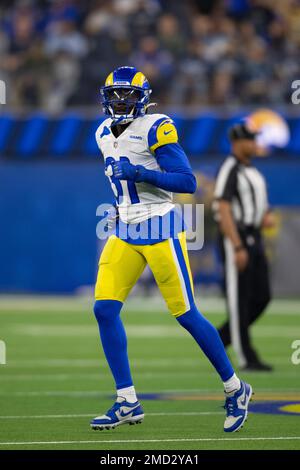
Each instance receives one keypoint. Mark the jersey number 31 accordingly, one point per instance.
(117, 184)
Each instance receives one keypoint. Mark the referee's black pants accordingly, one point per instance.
(247, 294)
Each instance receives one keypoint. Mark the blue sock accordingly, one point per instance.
(114, 341)
(208, 339)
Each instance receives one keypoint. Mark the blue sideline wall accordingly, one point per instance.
(48, 218)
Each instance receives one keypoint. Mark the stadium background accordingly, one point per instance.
(209, 63)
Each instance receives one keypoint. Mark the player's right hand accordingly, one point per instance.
(241, 259)
(124, 171)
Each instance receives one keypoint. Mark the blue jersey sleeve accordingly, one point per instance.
(177, 175)
(172, 158)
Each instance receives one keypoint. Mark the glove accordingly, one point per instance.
(126, 171)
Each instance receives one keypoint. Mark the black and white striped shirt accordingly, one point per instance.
(245, 188)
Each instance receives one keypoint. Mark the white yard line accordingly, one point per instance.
(129, 441)
(139, 331)
(96, 363)
(78, 304)
(90, 415)
(32, 377)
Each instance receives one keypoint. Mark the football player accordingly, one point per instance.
(145, 165)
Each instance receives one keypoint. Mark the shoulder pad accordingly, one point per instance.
(162, 132)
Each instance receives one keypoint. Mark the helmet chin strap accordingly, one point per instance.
(123, 119)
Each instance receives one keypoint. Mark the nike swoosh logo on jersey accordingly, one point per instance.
(166, 133)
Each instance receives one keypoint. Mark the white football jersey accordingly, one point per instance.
(137, 201)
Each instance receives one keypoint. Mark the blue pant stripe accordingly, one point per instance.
(184, 269)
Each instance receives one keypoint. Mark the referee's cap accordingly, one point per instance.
(241, 131)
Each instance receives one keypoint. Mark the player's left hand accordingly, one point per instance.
(125, 171)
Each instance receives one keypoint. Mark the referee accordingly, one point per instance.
(241, 208)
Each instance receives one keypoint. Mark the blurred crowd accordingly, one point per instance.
(56, 53)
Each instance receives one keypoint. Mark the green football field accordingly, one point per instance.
(56, 379)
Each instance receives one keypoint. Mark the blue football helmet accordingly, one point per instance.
(125, 95)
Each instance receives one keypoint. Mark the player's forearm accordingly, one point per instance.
(227, 224)
(175, 182)
(177, 175)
